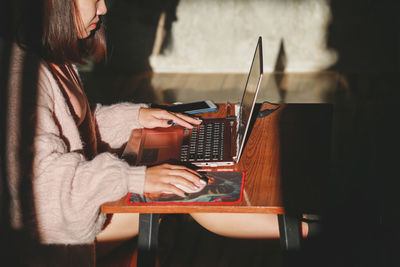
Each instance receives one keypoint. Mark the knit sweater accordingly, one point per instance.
(68, 189)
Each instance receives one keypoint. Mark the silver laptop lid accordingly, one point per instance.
(249, 98)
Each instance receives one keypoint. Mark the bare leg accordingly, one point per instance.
(122, 227)
(242, 225)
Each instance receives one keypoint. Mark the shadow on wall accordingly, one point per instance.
(5, 49)
(365, 36)
(131, 27)
(360, 197)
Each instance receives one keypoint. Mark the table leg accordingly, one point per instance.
(147, 239)
(289, 230)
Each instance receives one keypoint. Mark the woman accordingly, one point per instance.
(74, 171)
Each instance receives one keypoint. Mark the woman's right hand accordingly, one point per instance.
(163, 178)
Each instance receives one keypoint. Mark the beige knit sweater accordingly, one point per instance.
(68, 190)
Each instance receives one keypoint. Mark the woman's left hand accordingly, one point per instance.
(153, 117)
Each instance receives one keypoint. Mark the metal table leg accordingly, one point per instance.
(290, 234)
(147, 239)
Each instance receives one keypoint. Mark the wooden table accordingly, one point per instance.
(285, 159)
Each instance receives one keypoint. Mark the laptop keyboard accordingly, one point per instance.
(205, 143)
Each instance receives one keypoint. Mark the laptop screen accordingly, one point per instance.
(249, 96)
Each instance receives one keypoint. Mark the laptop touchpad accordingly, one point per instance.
(160, 146)
(149, 155)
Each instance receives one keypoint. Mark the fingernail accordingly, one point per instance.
(202, 181)
(170, 121)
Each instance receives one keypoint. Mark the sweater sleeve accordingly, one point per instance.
(68, 189)
(116, 122)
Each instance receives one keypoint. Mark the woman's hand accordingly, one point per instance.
(153, 117)
(165, 177)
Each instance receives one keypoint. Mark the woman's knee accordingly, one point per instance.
(243, 225)
(123, 226)
(239, 225)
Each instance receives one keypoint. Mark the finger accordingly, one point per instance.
(165, 123)
(180, 167)
(181, 122)
(189, 119)
(194, 179)
(185, 183)
(171, 120)
(180, 119)
(173, 190)
(167, 168)
(170, 117)
(157, 118)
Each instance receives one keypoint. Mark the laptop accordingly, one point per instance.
(215, 142)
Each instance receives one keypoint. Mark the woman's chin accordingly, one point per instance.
(85, 35)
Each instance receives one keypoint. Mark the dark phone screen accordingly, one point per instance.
(188, 106)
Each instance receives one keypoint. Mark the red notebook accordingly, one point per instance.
(222, 188)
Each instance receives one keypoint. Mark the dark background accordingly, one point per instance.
(360, 205)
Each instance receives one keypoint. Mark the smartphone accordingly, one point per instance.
(194, 107)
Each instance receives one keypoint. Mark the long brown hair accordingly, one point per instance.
(56, 39)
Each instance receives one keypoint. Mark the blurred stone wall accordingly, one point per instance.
(220, 35)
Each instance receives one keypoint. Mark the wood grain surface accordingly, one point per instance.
(306, 132)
